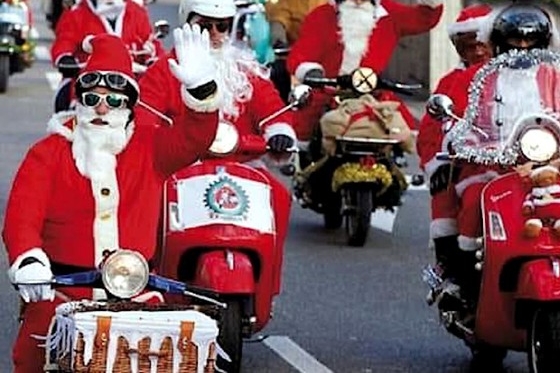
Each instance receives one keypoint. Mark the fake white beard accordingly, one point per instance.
(95, 147)
(356, 23)
(234, 66)
(111, 11)
(520, 95)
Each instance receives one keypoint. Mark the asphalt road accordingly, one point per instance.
(344, 310)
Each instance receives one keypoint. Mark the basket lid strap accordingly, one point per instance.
(103, 330)
(187, 329)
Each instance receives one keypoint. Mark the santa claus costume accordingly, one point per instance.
(521, 91)
(338, 38)
(431, 139)
(88, 188)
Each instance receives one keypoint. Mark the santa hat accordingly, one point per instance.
(108, 54)
(470, 19)
(547, 168)
(488, 24)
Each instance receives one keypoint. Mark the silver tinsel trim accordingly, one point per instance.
(504, 154)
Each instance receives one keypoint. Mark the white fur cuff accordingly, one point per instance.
(431, 3)
(36, 253)
(207, 105)
(305, 67)
(274, 129)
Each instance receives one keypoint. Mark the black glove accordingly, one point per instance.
(280, 143)
(68, 66)
(442, 177)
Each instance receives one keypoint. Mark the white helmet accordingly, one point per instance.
(207, 8)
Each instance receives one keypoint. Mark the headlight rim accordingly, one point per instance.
(224, 129)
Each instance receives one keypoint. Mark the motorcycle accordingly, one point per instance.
(361, 176)
(17, 50)
(515, 305)
(141, 60)
(104, 333)
(220, 233)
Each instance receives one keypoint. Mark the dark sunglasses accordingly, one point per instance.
(221, 26)
(112, 80)
(113, 100)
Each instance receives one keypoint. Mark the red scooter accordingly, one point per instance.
(517, 303)
(220, 234)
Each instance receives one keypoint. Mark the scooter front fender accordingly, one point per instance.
(539, 280)
(226, 272)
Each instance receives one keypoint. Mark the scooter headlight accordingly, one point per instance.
(538, 145)
(226, 140)
(125, 274)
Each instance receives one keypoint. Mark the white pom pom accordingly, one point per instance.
(86, 44)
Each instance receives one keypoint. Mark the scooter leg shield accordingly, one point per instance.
(226, 272)
(537, 281)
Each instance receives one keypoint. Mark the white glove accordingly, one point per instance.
(194, 66)
(36, 271)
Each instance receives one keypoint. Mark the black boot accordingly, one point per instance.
(446, 249)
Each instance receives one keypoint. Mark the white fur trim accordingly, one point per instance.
(105, 221)
(86, 44)
(305, 67)
(470, 25)
(36, 253)
(431, 3)
(274, 129)
(536, 222)
(62, 55)
(432, 165)
(206, 105)
(443, 227)
(556, 224)
(56, 124)
(539, 170)
(468, 243)
(479, 178)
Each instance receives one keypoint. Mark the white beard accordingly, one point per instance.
(235, 66)
(109, 11)
(95, 147)
(356, 24)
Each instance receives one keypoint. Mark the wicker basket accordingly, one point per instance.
(130, 337)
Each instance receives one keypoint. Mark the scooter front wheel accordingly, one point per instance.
(230, 336)
(543, 342)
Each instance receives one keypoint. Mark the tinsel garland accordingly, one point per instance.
(357, 173)
(505, 154)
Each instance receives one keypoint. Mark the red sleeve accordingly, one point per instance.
(161, 91)
(27, 202)
(143, 23)
(186, 141)
(413, 19)
(68, 37)
(265, 102)
(308, 47)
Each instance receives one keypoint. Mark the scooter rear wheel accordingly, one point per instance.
(543, 342)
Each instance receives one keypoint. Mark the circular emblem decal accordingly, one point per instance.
(225, 198)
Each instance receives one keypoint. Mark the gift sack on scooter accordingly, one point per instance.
(366, 118)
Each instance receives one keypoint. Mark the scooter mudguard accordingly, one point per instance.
(537, 281)
(226, 272)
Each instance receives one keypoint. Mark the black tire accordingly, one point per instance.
(543, 341)
(359, 218)
(4, 72)
(230, 337)
(332, 213)
(487, 358)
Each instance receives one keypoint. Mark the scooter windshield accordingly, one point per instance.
(509, 96)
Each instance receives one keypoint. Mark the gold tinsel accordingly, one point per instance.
(357, 173)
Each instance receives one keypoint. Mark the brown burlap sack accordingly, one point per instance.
(365, 117)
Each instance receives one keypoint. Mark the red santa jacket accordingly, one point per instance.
(53, 207)
(133, 26)
(430, 139)
(162, 91)
(319, 43)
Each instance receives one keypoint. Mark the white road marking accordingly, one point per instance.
(54, 78)
(384, 220)
(295, 355)
(42, 53)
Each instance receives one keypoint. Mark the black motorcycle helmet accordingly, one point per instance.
(522, 21)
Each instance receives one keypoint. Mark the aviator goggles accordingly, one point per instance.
(112, 100)
(221, 26)
(111, 80)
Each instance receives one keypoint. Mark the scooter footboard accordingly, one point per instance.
(226, 272)
(539, 280)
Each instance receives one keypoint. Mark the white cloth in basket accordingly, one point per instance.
(134, 326)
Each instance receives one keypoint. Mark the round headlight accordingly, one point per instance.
(125, 274)
(226, 140)
(364, 80)
(538, 145)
